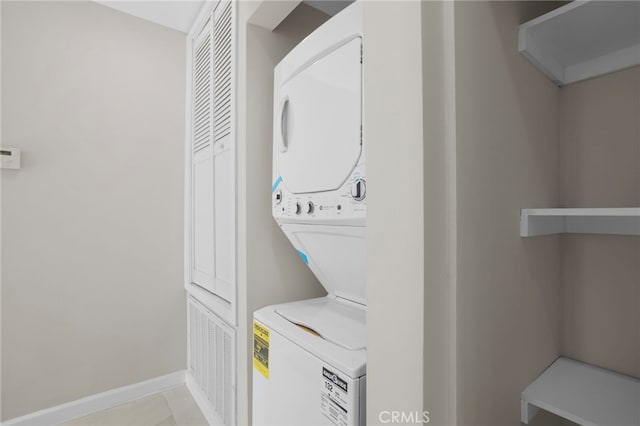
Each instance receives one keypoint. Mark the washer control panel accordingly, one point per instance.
(348, 202)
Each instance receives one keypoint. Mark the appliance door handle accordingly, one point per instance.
(284, 125)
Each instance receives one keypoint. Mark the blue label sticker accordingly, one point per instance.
(303, 256)
(276, 184)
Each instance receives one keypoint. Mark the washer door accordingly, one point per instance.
(336, 322)
(317, 121)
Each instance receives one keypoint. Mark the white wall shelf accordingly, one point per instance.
(583, 39)
(620, 221)
(584, 394)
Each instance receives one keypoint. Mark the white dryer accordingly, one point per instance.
(310, 356)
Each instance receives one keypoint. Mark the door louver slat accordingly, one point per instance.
(226, 356)
(201, 133)
(224, 19)
(224, 51)
(200, 100)
(211, 351)
(222, 73)
(199, 148)
(204, 76)
(202, 91)
(223, 117)
(223, 88)
(201, 67)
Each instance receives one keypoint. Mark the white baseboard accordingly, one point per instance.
(203, 403)
(100, 401)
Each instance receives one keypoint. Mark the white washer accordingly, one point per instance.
(310, 356)
(310, 380)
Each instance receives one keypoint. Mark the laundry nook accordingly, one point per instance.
(319, 213)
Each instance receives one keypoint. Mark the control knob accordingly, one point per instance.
(359, 190)
(277, 197)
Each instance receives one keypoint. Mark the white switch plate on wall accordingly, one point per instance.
(10, 158)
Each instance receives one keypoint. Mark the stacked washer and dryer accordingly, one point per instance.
(310, 356)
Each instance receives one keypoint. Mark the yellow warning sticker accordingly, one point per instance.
(261, 349)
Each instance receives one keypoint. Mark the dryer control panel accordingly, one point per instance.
(348, 202)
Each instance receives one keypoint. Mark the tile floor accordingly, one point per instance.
(174, 407)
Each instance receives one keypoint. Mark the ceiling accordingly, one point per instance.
(330, 7)
(176, 14)
(180, 14)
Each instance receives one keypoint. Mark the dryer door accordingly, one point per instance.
(317, 121)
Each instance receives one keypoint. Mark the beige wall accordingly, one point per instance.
(92, 223)
(270, 271)
(600, 135)
(393, 130)
(438, 85)
(509, 297)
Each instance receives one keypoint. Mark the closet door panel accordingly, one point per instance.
(202, 169)
(212, 219)
(224, 212)
(203, 226)
(224, 153)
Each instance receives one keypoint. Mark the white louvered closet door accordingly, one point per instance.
(202, 230)
(223, 153)
(213, 186)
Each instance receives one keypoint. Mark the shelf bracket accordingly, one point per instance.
(527, 411)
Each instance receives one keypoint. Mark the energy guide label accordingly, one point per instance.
(261, 349)
(333, 398)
